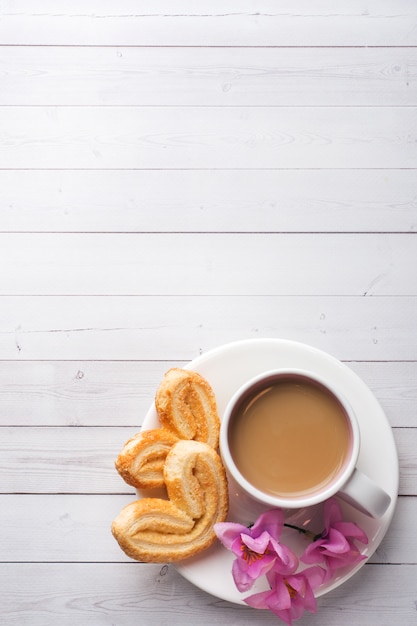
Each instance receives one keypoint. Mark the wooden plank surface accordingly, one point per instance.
(316, 200)
(216, 138)
(81, 460)
(190, 264)
(209, 76)
(78, 461)
(182, 327)
(79, 531)
(106, 393)
(235, 23)
(123, 593)
(175, 176)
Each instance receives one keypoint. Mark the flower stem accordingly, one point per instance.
(305, 531)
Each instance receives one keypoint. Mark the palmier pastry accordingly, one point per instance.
(156, 530)
(186, 405)
(142, 458)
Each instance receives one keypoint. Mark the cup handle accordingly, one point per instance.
(362, 493)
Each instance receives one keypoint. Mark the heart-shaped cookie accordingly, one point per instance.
(186, 406)
(157, 530)
(141, 460)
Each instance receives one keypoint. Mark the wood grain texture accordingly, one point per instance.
(218, 137)
(175, 176)
(79, 530)
(106, 393)
(125, 593)
(81, 460)
(208, 200)
(191, 264)
(128, 22)
(208, 76)
(179, 327)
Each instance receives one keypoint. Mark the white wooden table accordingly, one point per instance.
(175, 176)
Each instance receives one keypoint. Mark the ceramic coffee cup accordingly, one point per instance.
(290, 439)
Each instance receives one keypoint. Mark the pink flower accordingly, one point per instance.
(257, 548)
(336, 546)
(290, 595)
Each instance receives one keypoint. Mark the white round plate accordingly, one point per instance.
(226, 368)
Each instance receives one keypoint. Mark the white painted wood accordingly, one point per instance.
(209, 200)
(182, 327)
(185, 22)
(79, 530)
(406, 440)
(218, 137)
(79, 393)
(153, 156)
(81, 460)
(207, 76)
(68, 460)
(125, 594)
(190, 264)
(394, 385)
(106, 393)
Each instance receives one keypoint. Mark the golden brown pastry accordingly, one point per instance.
(156, 530)
(142, 458)
(186, 405)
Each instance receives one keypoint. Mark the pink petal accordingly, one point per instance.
(227, 532)
(258, 600)
(256, 544)
(313, 553)
(302, 584)
(245, 575)
(286, 562)
(242, 580)
(285, 606)
(309, 602)
(285, 616)
(315, 576)
(336, 542)
(262, 567)
(332, 513)
(348, 558)
(271, 521)
(350, 529)
(279, 597)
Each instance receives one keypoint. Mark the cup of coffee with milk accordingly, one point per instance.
(289, 439)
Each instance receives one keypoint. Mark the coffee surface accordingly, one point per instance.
(291, 439)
